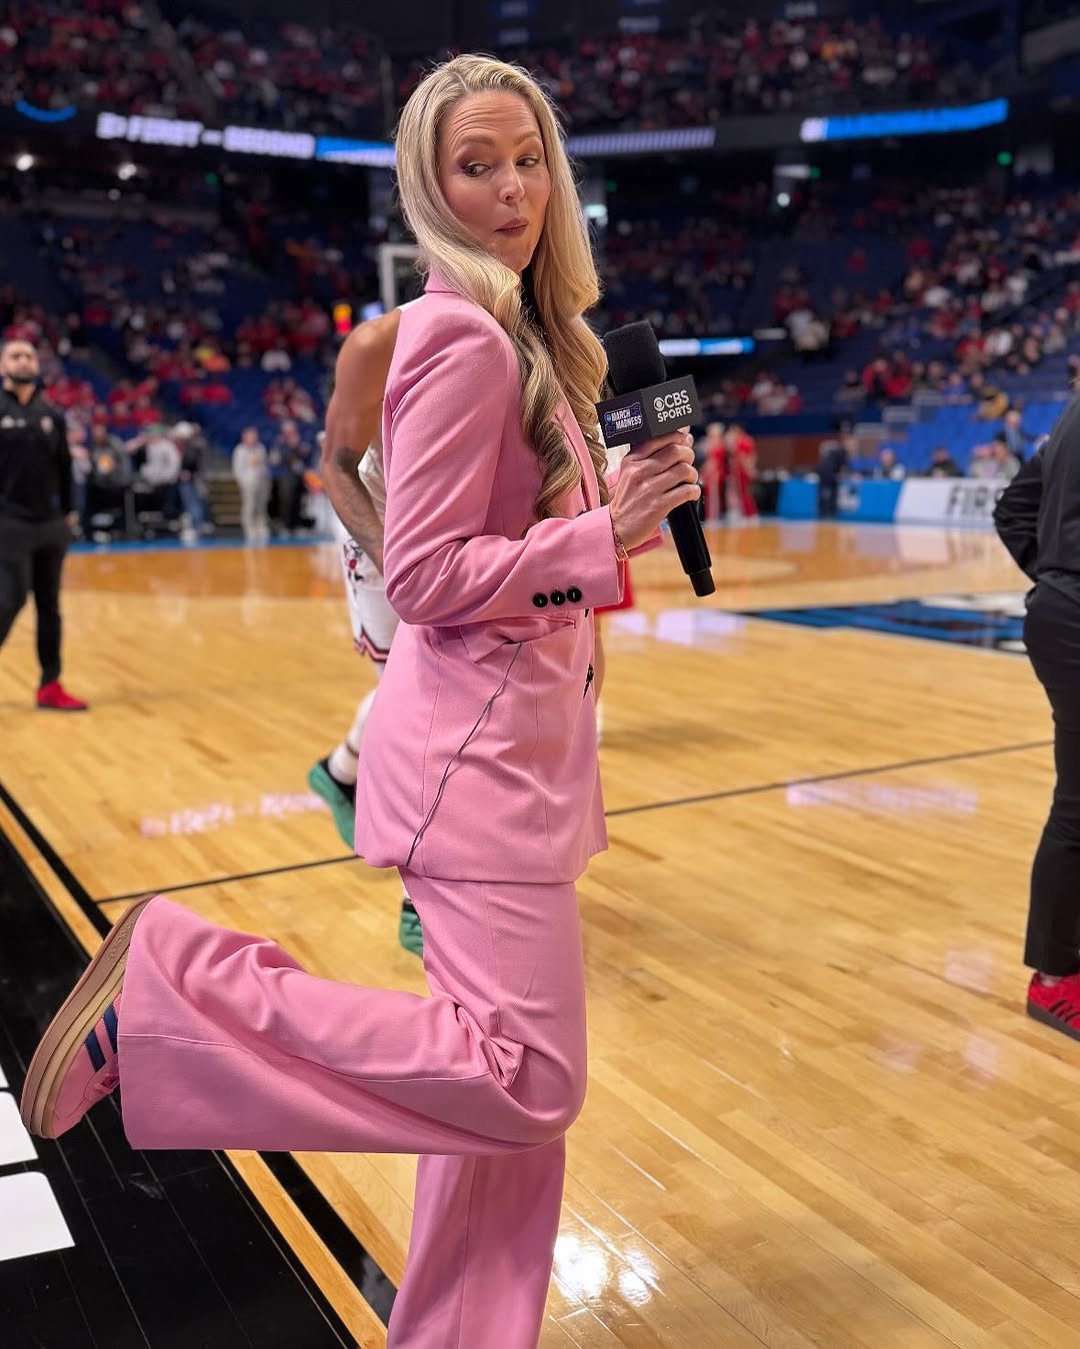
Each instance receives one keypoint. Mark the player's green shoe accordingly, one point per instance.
(340, 799)
(410, 933)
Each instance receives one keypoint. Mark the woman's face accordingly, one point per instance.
(494, 174)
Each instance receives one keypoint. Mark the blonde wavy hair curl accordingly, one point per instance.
(546, 327)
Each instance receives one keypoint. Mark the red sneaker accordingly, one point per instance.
(55, 698)
(1056, 1005)
(75, 1066)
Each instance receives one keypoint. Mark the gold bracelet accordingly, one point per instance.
(621, 554)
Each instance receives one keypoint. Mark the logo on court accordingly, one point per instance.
(992, 622)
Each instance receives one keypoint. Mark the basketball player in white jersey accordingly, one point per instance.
(352, 468)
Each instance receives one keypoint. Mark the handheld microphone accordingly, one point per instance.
(646, 405)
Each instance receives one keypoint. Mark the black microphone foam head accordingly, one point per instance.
(634, 359)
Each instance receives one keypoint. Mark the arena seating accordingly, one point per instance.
(337, 79)
(97, 53)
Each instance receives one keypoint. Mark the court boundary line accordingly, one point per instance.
(295, 1184)
(56, 864)
(228, 880)
(762, 788)
(731, 793)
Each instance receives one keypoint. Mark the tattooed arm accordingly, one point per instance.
(353, 423)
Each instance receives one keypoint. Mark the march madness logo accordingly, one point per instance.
(623, 421)
(993, 622)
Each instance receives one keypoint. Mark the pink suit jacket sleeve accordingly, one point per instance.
(449, 425)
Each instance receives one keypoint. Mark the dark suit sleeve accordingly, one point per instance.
(1016, 516)
(63, 465)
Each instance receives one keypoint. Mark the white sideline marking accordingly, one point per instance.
(16, 1145)
(30, 1217)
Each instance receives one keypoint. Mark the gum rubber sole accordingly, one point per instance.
(100, 983)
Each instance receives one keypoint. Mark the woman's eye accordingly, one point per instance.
(472, 170)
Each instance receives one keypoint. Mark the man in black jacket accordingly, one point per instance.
(1038, 520)
(35, 513)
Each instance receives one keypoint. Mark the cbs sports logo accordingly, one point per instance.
(671, 407)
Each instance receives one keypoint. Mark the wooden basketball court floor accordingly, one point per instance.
(817, 1115)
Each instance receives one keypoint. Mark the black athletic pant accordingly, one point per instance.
(32, 559)
(1052, 636)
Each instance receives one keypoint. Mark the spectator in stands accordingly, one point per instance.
(205, 390)
(982, 462)
(55, 55)
(109, 479)
(763, 388)
(1006, 464)
(156, 458)
(875, 380)
(80, 469)
(276, 360)
(290, 458)
(809, 334)
(143, 414)
(194, 453)
(213, 360)
(252, 473)
(991, 403)
(887, 466)
(943, 465)
(159, 464)
(899, 383)
(834, 460)
(1016, 438)
(68, 393)
(285, 400)
(954, 390)
(851, 395)
(994, 461)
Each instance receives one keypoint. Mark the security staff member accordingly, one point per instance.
(1038, 519)
(35, 513)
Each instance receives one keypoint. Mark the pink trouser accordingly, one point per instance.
(226, 1043)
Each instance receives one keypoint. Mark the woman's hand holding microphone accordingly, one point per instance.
(654, 478)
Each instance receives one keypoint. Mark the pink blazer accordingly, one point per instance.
(496, 639)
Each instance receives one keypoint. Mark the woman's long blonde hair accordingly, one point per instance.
(564, 280)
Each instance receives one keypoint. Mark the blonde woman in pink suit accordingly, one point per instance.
(479, 773)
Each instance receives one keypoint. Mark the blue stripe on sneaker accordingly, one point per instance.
(110, 1025)
(97, 1055)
